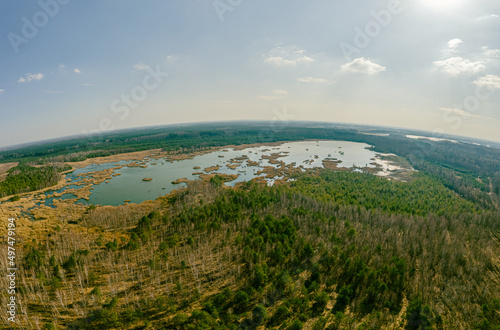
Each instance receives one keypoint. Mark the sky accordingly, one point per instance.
(72, 67)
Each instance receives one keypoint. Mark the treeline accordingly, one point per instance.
(25, 178)
(422, 195)
(279, 257)
(470, 170)
(186, 138)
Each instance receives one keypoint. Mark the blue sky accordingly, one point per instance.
(70, 67)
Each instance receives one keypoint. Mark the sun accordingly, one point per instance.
(442, 4)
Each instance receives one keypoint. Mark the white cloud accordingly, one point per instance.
(77, 71)
(362, 65)
(460, 112)
(476, 62)
(172, 58)
(489, 81)
(31, 76)
(486, 17)
(491, 53)
(454, 43)
(280, 92)
(140, 66)
(287, 56)
(312, 80)
(277, 94)
(61, 67)
(2, 91)
(455, 66)
(280, 61)
(465, 114)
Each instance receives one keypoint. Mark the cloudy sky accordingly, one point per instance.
(70, 67)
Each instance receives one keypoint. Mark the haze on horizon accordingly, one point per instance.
(70, 67)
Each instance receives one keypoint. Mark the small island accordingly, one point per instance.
(178, 181)
(147, 179)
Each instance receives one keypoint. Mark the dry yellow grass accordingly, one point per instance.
(4, 168)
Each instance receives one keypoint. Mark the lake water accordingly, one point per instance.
(130, 186)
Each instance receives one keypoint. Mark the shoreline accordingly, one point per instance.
(395, 167)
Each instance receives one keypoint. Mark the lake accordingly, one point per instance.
(129, 185)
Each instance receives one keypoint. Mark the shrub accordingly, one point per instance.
(296, 325)
(96, 291)
(49, 326)
(241, 300)
(70, 264)
(259, 314)
(320, 302)
(34, 259)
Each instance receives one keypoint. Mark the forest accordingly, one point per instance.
(25, 178)
(327, 250)
(287, 257)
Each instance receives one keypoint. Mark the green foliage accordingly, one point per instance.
(96, 292)
(319, 324)
(179, 320)
(491, 312)
(56, 283)
(343, 298)
(421, 196)
(99, 240)
(307, 251)
(260, 276)
(240, 301)
(112, 303)
(34, 258)
(356, 251)
(52, 261)
(419, 316)
(281, 314)
(133, 243)
(71, 263)
(92, 279)
(130, 316)
(259, 314)
(201, 320)
(296, 325)
(320, 301)
(173, 240)
(371, 240)
(217, 181)
(49, 326)
(25, 178)
(113, 246)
